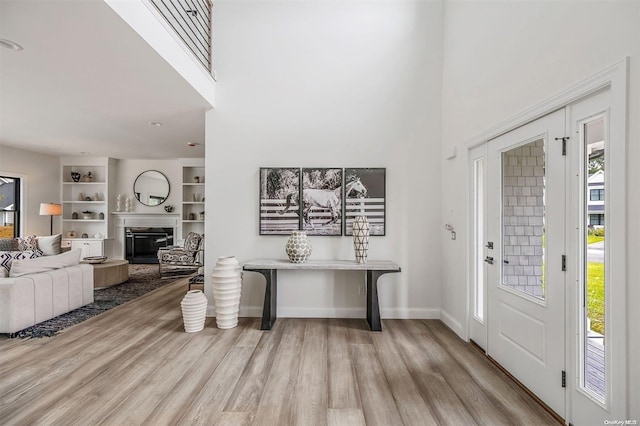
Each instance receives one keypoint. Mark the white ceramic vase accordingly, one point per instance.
(361, 238)
(194, 310)
(227, 286)
(298, 247)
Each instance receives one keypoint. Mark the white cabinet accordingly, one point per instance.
(89, 247)
(193, 186)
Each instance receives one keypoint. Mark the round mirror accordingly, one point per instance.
(151, 188)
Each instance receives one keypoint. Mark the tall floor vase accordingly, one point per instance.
(227, 284)
(361, 238)
(194, 310)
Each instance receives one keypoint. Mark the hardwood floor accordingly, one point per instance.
(135, 365)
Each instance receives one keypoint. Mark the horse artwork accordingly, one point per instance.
(365, 197)
(279, 186)
(321, 201)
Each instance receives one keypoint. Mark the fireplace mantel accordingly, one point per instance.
(124, 220)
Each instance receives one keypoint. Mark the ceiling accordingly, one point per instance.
(87, 83)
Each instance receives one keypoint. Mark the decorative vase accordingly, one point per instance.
(298, 247)
(75, 176)
(101, 216)
(226, 279)
(194, 310)
(118, 202)
(361, 238)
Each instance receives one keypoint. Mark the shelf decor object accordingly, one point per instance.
(361, 238)
(298, 247)
(227, 285)
(194, 310)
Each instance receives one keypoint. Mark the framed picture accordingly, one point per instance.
(279, 201)
(365, 195)
(322, 201)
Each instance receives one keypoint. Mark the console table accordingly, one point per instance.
(269, 269)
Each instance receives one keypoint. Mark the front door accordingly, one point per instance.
(525, 277)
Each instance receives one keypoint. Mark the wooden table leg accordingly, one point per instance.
(269, 308)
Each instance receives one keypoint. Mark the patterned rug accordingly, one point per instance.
(142, 280)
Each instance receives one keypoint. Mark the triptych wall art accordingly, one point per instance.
(321, 201)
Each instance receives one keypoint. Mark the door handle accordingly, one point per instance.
(489, 260)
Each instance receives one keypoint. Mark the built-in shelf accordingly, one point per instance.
(74, 196)
(193, 191)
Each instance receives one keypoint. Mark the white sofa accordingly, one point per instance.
(56, 288)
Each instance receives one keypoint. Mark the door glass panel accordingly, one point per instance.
(523, 218)
(479, 237)
(593, 269)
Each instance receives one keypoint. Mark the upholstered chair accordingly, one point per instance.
(177, 261)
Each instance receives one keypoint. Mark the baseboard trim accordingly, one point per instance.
(452, 323)
(303, 312)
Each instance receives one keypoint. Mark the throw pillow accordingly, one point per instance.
(8, 244)
(3, 273)
(8, 257)
(50, 246)
(45, 263)
(27, 243)
(192, 241)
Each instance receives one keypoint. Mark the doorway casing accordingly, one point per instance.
(613, 79)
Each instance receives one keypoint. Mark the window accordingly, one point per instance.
(9, 207)
(596, 219)
(596, 195)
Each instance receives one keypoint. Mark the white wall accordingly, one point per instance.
(329, 84)
(502, 57)
(41, 184)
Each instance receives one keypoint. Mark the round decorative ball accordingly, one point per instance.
(298, 247)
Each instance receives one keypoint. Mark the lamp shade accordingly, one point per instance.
(50, 209)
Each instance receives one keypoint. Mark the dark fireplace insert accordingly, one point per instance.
(142, 243)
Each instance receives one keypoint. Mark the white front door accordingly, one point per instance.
(525, 277)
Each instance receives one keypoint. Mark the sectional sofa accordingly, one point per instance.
(39, 282)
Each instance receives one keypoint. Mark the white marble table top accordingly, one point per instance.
(345, 265)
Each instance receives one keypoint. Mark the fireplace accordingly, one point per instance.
(142, 243)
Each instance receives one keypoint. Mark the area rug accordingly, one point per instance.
(142, 280)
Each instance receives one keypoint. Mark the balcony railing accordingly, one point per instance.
(191, 20)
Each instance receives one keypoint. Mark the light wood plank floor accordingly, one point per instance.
(135, 365)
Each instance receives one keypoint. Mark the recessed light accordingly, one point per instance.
(155, 123)
(192, 144)
(10, 44)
